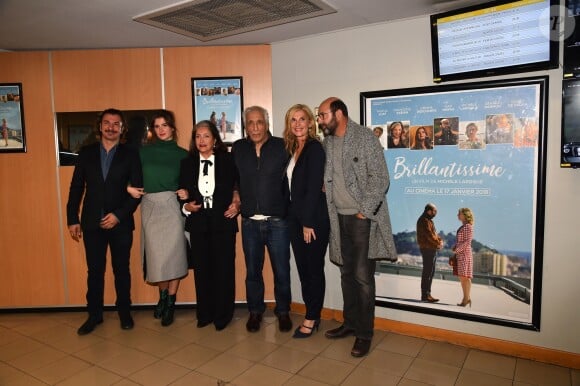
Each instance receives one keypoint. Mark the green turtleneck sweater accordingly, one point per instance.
(160, 161)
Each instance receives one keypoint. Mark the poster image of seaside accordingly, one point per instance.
(12, 138)
(498, 182)
(220, 101)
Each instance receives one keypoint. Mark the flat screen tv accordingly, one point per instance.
(570, 156)
(495, 38)
(572, 42)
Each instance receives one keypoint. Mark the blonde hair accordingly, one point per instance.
(290, 139)
(468, 214)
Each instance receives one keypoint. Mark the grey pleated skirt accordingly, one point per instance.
(162, 237)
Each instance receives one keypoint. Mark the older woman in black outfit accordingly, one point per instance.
(308, 215)
(211, 204)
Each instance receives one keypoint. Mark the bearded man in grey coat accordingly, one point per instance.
(356, 181)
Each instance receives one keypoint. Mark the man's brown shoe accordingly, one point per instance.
(339, 332)
(360, 348)
(429, 299)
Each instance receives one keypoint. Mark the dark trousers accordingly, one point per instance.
(357, 275)
(119, 239)
(429, 257)
(272, 234)
(213, 256)
(310, 264)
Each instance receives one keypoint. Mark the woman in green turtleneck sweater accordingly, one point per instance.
(162, 238)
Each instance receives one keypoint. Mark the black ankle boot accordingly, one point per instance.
(167, 317)
(161, 304)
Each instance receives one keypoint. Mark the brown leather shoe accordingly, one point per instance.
(339, 332)
(284, 322)
(254, 321)
(429, 299)
(360, 348)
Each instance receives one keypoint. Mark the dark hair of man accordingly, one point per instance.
(219, 144)
(338, 104)
(111, 111)
(169, 119)
(429, 207)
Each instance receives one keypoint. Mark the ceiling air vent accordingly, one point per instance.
(207, 20)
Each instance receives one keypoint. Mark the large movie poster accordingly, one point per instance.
(479, 146)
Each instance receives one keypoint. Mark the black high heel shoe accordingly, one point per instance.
(300, 335)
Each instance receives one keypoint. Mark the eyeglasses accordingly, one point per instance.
(321, 115)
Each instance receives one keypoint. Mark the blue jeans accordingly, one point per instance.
(272, 234)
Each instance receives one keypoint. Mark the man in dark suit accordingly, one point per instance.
(102, 173)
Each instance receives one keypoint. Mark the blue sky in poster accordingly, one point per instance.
(503, 202)
(497, 183)
(11, 112)
(9, 90)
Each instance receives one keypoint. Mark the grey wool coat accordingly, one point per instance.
(367, 180)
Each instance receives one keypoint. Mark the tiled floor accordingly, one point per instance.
(44, 349)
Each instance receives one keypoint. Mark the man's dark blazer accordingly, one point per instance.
(307, 200)
(226, 181)
(104, 196)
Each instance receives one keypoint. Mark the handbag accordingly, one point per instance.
(453, 263)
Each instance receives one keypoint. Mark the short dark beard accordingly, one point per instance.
(330, 127)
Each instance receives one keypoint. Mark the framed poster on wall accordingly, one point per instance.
(219, 100)
(479, 146)
(12, 136)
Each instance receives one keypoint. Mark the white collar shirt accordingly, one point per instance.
(206, 183)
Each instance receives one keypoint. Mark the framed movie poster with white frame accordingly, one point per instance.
(491, 158)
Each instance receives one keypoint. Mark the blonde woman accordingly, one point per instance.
(462, 249)
(308, 214)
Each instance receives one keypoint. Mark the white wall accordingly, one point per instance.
(398, 55)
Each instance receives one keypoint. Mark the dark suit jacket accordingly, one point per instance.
(307, 200)
(226, 180)
(104, 196)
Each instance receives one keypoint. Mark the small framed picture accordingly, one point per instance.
(219, 100)
(12, 137)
